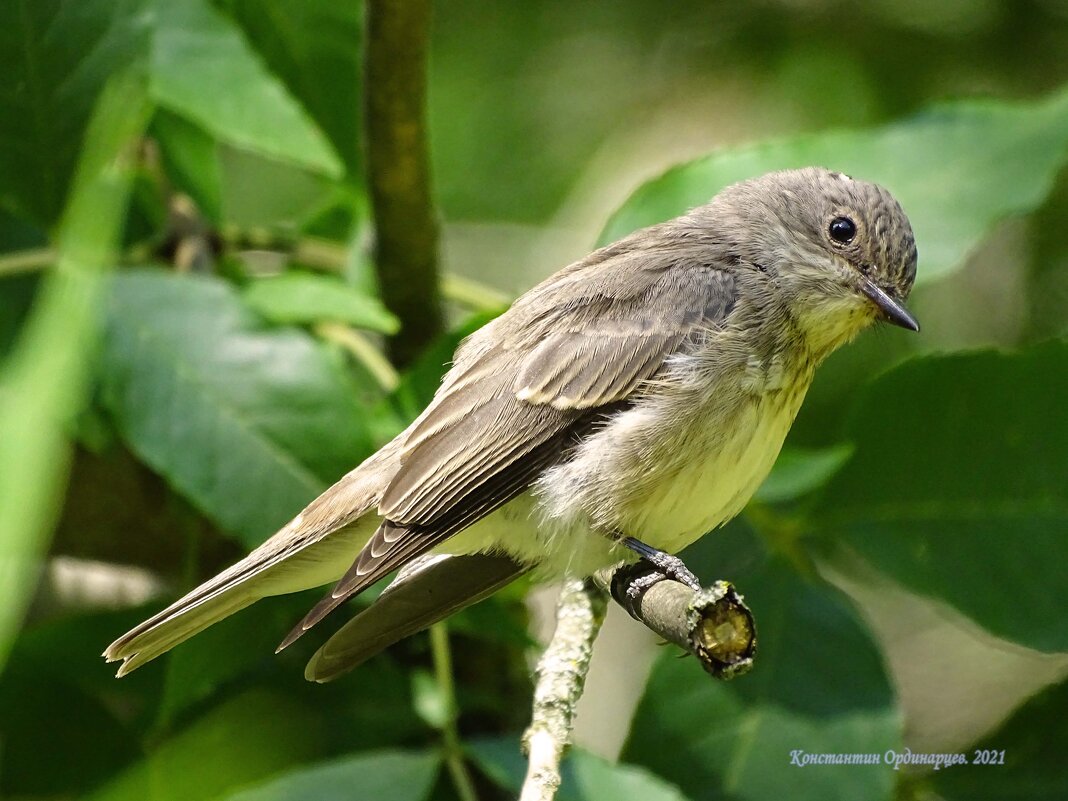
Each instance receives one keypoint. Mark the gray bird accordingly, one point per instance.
(620, 409)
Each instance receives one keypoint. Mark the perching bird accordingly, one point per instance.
(622, 408)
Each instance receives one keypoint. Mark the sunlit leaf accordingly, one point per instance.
(202, 67)
(956, 171)
(299, 297)
(315, 47)
(57, 56)
(960, 492)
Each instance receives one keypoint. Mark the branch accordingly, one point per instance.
(561, 674)
(713, 623)
(398, 170)
(25, 261)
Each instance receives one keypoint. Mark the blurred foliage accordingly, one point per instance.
(44, 377)
(941, 166)
(231, 368)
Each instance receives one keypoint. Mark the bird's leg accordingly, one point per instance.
(665, 566)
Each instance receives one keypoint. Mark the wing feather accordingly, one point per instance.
(393, 545)
(426, 591)
(527, 386)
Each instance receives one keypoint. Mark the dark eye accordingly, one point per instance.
(842, 229)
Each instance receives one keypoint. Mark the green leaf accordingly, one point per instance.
(799, 471)
(818, 686)
(314, 47)
(44, 107)
(203, 68)
(1033, 767)
(959, 490)
(373, 711)
(585, 777)
(248, 422)
(231, 648)
(300, 297)
(370, 776)
(241, 741)
(956, 171)
(43, 382)
(60, 705)
(259, 194)
(56, 57)
(86, 739)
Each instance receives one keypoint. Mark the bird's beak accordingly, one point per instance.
(892, 311)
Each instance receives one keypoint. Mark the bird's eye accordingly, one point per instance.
(842, 230)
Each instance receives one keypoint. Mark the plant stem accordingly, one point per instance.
(363, 350)
(398, 171)
(475, 294)
(454, 754)
(24, 261)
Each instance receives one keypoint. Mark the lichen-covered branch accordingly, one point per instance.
(712, 623)
(560, 677)
(398, 170)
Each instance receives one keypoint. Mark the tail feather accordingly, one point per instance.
(136, 649)
(312, 550)
(261, 574)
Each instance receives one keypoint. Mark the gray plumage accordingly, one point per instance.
(643, 391)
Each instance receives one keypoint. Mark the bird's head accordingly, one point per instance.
(841, 251)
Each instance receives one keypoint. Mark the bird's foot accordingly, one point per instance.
(665, 566)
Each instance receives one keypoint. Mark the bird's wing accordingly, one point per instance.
(526, 386)
(427, 590)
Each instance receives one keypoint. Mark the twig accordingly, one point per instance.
(472, 293)
(561, 675)
(398, 170)
(24, 261)
(713, 623)
(363, 350)
(450, 733)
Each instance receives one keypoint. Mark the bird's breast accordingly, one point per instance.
(715, 470)
(680, 462)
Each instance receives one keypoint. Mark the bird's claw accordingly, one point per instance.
(666, 564)
(631, 582)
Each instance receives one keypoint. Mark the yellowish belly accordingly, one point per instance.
(712, 481)
(667, 495)
(664, 472)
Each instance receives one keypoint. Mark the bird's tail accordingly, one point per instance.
(262, 573)
(315, 548)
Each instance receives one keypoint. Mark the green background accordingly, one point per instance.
(191, 349)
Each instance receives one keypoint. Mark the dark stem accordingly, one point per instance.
(398, 170)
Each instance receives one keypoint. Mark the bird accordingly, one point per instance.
(618, 411)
